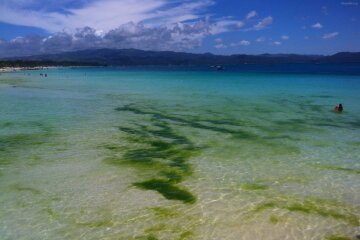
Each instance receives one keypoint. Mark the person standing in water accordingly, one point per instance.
(338, 108)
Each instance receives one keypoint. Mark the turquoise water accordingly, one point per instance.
(131, 153)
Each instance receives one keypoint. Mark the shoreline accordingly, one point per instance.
(16, 69)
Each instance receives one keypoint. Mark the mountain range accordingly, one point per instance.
(133, 57)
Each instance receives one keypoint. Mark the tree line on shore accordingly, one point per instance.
(33, 64)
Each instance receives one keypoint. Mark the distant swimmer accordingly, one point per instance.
(338, 108)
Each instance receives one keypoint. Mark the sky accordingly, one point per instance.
(30, 27)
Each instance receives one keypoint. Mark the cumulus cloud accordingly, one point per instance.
(220, 46)
(143, 24)
(351, 4)
(222, 26)
(317, 25)
(284, 37)
(260, 39)
(241, 43)
(131, 35)
(251, 15)
(263, 23)
(330, 35)
(101, 15)
(277, 43)
(244, 43)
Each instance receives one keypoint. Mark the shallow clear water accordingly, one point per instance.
(130, 153)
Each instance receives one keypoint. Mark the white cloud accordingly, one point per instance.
(350, 4)
(186, 11)
(218, 40)
(317, 25)
(104, 15)
(142, 24)
(324, 10)
(244, 43)
(330, 35)
(284, 37)
(251, 15)
(131, 35)
(263, 23)
(220, 46)
(241, 43)
(277, 43)
(260, 39)
(226, 26)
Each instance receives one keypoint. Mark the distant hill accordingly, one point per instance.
(129, 57)
(342, 57)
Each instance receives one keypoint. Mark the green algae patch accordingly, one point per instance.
(159, 149)
(172, 176)
(51, 213)
(20, 188)
(112, 147)
(338, 237)
(96, 224)
(168, 190)
(310, 205)
(164, 212)
(21, 136)
(157, 228)
(151, 237)
(210, 125)
(253, 186)
(186, 235)
(323, 209)
(6, 160)
(263, 206)
(276, 219)
(338, 168)
(232, 127)
(19, 140)
(354, 143)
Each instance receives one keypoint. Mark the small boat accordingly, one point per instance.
(218, 67)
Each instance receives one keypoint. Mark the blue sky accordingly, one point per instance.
(223, 27)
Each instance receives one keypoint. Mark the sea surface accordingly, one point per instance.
(251, 152)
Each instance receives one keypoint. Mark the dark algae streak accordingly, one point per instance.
(157, 145)
(167, 152)
(162, 150)
(167, 189)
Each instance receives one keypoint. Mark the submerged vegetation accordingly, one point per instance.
(254, 186)
(338, 168)
(310, 205)
(158, 148)
(167, 189)
(21, 136)
(338, 237)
